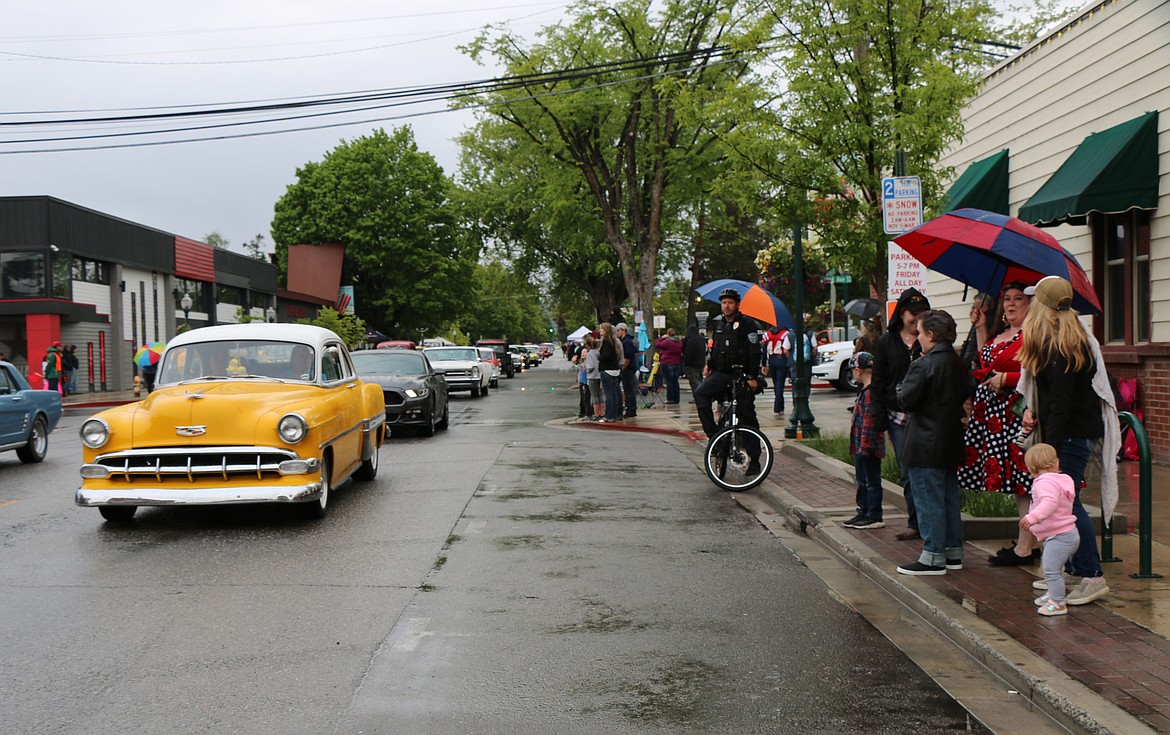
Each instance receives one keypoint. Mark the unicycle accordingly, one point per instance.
(728, 455)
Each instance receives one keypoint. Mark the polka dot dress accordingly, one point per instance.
(992, 461)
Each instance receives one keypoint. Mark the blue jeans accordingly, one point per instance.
(610, 384)
(897, 436)
(670, 375)
(936, 492)
(868, 473)
(778, 372)
(1074, 456)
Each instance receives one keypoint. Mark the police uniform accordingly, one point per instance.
(735, 342)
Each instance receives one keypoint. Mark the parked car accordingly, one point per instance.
(27, 416)
(488, 355)
(415, 393)
(832, 364)
(241, 413)
(500, 347)
(462, 368)
(534, 352)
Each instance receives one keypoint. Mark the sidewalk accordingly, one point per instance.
(100, 399)
(1103, 668)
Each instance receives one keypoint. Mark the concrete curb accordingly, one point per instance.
(1061, 697)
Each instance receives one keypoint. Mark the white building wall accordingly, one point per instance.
(133, 278)
(97, 294)
(1110, 67)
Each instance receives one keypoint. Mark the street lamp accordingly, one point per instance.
(802, 422)
(186, 303)
(270, 313)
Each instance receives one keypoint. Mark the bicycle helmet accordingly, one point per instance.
(729, 293)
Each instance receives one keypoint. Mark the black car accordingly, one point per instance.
(500, 347)
(416, 394)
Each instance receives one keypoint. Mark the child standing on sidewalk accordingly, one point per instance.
(1052, 520)
(867, 444)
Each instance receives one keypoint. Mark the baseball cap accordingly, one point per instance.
(623, 325)
(862, 360)
(1052, 291)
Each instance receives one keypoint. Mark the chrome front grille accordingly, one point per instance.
(458, 373)
(190, 464)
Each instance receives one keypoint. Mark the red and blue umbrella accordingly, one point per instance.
(148, 355)
(754, 301)
(985, 250)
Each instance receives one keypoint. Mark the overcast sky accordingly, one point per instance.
(59, 57)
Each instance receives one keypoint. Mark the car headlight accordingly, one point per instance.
(475, 372)
(420, 393)
(828, 356)
(292, 428)
(95, 433)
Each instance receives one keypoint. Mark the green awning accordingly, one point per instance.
(1112, 171)
(984, 185)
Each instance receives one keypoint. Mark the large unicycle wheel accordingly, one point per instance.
(728, 458)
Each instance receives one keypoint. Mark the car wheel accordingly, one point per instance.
(484, 390)
(369, 468)
(118, 513)
(316, 509)
(446, 420)
(847, 382)
(38, 443)
(475, 391)
(428, 429)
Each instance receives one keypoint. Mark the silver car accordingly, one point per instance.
(462, 367)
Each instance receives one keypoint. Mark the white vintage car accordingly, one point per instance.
(462, 367)
(242, 413)
(832, 364)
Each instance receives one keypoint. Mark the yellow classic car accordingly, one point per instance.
(242, 413)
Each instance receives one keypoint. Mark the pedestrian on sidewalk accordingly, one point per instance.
(629, 370)
(610, 363)
(585, 405)
(933, 394)
(669, 350)
(993, 462)
(777, 345)
(1051, 520)
(868, 446)
(1071, 404)
(896, 350)
(592, 364)
(694, 356)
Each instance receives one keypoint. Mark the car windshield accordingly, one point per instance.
(230, 359)
(487, 353)
(390, 362)
(447, 354)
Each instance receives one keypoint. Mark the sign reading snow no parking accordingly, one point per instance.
(901, 204)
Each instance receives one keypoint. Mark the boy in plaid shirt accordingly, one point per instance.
(867, 444)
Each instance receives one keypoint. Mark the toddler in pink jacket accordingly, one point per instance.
(1050, 518)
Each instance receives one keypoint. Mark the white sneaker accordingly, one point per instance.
(1042, 600)
(1088, 590)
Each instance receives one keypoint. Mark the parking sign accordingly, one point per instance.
(901, 204)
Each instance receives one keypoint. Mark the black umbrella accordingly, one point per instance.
(863, 308)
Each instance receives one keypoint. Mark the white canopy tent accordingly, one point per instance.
(580, 334)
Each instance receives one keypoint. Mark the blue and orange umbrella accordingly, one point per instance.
(754, 301)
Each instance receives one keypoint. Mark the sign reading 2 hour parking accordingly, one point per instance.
(901, 204)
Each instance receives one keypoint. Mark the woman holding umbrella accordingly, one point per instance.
(1070, 402)
(992, 460)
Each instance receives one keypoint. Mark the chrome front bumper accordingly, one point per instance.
(200, 496)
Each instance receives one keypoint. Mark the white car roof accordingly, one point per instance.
(305, 334)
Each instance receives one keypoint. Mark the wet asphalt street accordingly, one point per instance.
(505, 576)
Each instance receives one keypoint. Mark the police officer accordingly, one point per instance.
(735, 342)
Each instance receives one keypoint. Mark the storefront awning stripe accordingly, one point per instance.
(1112, 171)
(984, 185)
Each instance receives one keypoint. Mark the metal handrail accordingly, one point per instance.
(1145, 498)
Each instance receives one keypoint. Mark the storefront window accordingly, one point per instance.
(62, 276)
(22, 275)
(194, 289)
(1124, 240)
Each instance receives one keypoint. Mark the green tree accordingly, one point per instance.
(390, 205)
(347, 326)
(862, 80)
(619, 126)
(255, 248)
(216, 240)
(502, 303)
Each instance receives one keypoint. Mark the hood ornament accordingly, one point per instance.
(193, 396)
(190, 430)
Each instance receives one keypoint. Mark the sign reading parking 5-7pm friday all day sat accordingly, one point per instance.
(901, 204)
